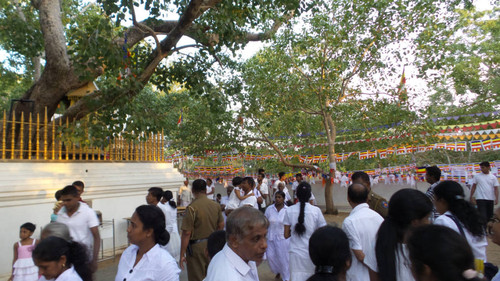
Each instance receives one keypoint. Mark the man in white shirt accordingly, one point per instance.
(210, 189)
(432, 176)
(247, 186)
(82, 223)
(361, 227)
(185, 195)
(264, 186)
(245, 247)
(298, 179)
(281, 179)
(486, 186)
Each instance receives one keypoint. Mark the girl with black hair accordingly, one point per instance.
(461, 216)
(145, 259)
(301, 220)
(169, 208)
(408, 208)
(61, 260)
(329, 251)
(439, 253)
(277, 245)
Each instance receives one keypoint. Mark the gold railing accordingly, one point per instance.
(34, 138)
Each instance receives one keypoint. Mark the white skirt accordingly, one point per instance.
(174, 245)
(25, 270)
(301, 267)
(277, 257)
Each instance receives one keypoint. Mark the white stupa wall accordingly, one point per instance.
(115, 189)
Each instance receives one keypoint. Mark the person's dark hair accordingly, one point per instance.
(199, 186)
(169, 196)
(152, 217)
(281, 174)
(434, 172)
(329, 247)
(262, 175)
(57, 195)
(298, 175)
(69, 190)
(29, 226)
(453, 194)
(79, 184)
(303, 194)
(249, 180)
(279, 192)
(261, 171)
(218, 195)
(156, 192)
(53, 248)
(216, 242)
(359, 175)
(405, 206)
(443, 250)
(357, 193)
(237, 181)
(209, 179)
(485, 164)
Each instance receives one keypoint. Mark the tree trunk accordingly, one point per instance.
(331, 134)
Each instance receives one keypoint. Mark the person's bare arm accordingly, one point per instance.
(220, 225)
(496, 194)
(97, 247)
(373, 275)
(288, 232)
(360, 256)
(186, 235)
(472, 190)
(14, 260)
(237, 192)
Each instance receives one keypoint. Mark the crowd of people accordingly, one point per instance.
(437, 235)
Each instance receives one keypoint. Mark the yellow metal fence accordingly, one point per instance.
(34, 138)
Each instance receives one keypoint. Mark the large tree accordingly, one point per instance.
(62, 46)
(331, 70)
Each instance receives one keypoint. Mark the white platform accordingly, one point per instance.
(116, 189)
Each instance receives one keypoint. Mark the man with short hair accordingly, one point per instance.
(82, 222)
(376, 202)
(432, 176)
(185, 195)
(486, 186)
(210, 189)
(263, 189)
(245, 247)
(298, 180)
(80, 186)
(361, 227)
(203, 216)
(281, 178)
(154, 198)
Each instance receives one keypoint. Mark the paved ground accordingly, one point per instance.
(107, 269)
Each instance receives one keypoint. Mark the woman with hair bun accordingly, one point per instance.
(145, 259)
(461, 216)
(301, 220)
(441, 254)
(60, 260)
(174, 244)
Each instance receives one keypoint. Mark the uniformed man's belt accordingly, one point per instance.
(197, 241)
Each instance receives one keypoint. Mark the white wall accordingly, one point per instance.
(116, 189)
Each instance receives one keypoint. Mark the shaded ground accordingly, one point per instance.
(107, 269)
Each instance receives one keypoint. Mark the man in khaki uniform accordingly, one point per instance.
(203, 216)
(376, 202)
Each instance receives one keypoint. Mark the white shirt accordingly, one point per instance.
(210, 189)
(250, 201)
(478, 244)
(233, 201)
(275, 185)
(313, 219)
(264, 187)
(276, 230)
(79, 225)
(185, 195)
(484, 186)
(257, 195)
(156, 265)
(227, 265)
(69, 274)
(403, 264)
(361, 227)
(170, 217)
(224, 200)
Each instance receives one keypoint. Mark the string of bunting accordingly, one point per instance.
(475, 146)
